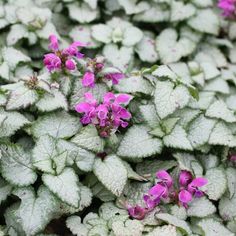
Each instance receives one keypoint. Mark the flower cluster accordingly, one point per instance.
(164, 190)
(107, 116)
(228, 7)
(95, 70)
(59, 59)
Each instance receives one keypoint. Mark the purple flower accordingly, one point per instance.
(88, 108)
(194, 186)
(185, 197)
(185, 178)
(151, 201)
(114, 77)
(52, 62)
(70, 64)
(164, 178)
(109, 115)
(88, 79)
(228, 7)
(136, 212)
(233, 159)
(62, 58)
(54, 46)
(73, 50)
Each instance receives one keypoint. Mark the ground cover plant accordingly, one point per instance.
(117, 117)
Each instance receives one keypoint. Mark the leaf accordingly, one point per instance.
(102, 33)
(205, 21)
(75, 226)
(184, 160)
(217, 183)
(227, 208)
(82, 12)
(181, 11)
(148, 167)
(57, 124)
(209, 161)
(64, 185)
(230, 173)
(179, 211)
(201, 207)
(219, 110)
(137, 143)
(5, 190)
(211, 227)
(134, 84)
(82, 33)
(217, 85)
(88, 138)
(156, 13)
(131, 36)
(16, 33)
(13, 220)
(16, 162)
(177, 139)
(4, 71)
(186, 116)
(149, 114)
(146, 49)
(99, 190)
(21, 97)
(13, 56)
(222, 135)
(36, 212)
(53, 101)
(129, 227)
(11, 121)
(98, 230)
(112, 173)
(181, 224)
(133, 6)
(84, 159)
(119, 57)
(78, 92)
(168, 99)
(109, 210)
(200, 130)
(47, 157)
(171, 50)
(200, 3)
(166, 230)
(205, 99)
(131, 173)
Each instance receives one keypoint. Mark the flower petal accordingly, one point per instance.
(185, 196)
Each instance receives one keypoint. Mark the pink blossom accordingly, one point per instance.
(193, 187)
(233, 159)
(151, 201)
(114, 77)
(52, 62)
(59, 59)
(164, 178)
(136, 212)
(88, 79)
(88, 108)
(72, 50)
(54, 46)
(70, 64)
(185, 197)
(228, 7)
(107, 116)
(185, 178)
